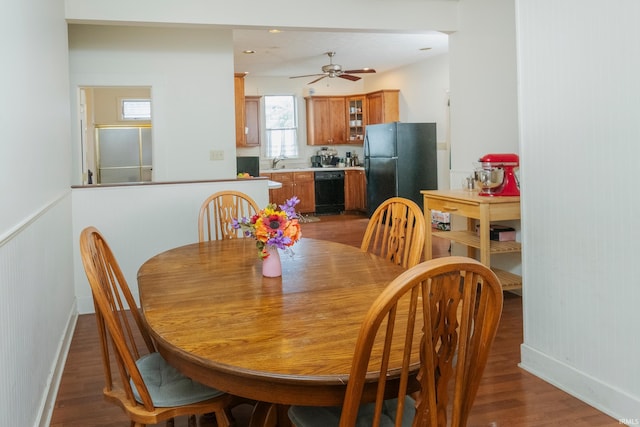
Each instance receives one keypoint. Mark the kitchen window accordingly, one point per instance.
(281, 122)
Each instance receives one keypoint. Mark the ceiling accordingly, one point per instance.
(293, 53)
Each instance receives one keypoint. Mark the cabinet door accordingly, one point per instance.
(357, 120)
(374, 108)
(318, 121)
(349, 191)
(280, 195)
(326, 120)
(238, 85)
(383, 107)
(252, 116)
(338, 120)
(354, 191)
(361, 191)
(304, 189)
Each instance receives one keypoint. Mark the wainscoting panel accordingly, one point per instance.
(37, 303)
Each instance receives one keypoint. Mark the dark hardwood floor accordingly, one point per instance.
(508, 396)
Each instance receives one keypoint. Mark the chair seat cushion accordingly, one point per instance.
(329, 416)
(167, 386)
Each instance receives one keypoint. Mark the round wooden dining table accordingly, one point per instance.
(284, 341)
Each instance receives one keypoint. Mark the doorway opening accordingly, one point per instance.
(116, 134)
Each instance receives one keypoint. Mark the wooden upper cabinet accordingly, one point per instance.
(252, 121)
(238, 85)
(326, 120)
(335, 120)
(383, 106)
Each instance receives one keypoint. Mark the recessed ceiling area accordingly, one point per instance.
(291, 53)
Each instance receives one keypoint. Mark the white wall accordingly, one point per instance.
(484, 113)
(141, 221)
(36, 280)
(424, 97)
(409, 15)
(579, 103)
(190, 72)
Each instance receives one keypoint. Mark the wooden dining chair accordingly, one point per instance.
(217, 212)
(144, 385)
(396, 232)
(438, 319)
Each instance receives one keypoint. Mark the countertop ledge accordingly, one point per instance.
(145, 183)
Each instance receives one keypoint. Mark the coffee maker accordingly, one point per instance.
(328, 157)
(348, 160)
(316, 161)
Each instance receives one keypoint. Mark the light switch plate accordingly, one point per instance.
(216, 155)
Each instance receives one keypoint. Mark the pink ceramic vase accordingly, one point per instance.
(271, 265)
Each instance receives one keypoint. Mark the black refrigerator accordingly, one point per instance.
(399, 161)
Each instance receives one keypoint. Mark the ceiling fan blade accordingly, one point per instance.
(361, 71)
(349, 77)
(308, 75)
(319, 78)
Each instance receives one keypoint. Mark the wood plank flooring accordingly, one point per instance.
(508, 396)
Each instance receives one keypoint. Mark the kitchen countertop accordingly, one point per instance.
(307, 169)
(272, 185)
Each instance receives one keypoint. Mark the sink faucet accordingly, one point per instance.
(275, 161)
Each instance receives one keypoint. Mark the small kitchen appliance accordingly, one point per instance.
(328, 157)
(496, 175)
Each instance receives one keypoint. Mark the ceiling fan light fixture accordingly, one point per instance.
(332, 70)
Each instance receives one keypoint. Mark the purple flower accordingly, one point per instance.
(279, 240)
(289, 207)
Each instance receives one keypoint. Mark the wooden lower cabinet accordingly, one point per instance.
(355, 191)
(299, 184)
(305, 188)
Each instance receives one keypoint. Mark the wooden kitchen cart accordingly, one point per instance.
(482, 209)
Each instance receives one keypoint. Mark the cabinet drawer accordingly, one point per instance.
(282, 176)
(303, 176)
(453, 207)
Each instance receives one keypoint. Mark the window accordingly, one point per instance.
(136, 109)
(281, 122)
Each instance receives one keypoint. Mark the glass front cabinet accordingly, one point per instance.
(356, 118)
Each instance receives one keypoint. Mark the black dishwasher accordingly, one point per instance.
(329, 192)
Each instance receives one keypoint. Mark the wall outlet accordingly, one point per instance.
(216, 155)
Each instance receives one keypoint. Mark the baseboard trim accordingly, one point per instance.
(604, 397)
(51, 392)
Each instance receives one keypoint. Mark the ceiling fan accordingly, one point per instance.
(332, 70)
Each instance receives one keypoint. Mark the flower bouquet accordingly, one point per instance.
(273, 227)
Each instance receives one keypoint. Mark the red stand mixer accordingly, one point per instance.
(497, 175)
